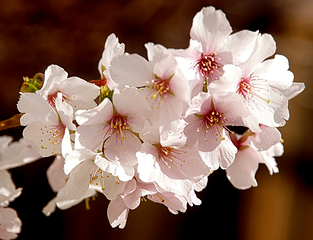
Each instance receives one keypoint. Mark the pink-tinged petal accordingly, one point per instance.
(276, 73)
(189, 163)
(54, 75)
(171, 184)
(232, 107)
(211, 28)
(117, 213)
(132, 70)
(241, 45)
(190, 130)
(164, 65)
(45, 137)
(268, 157)
(228, 82)
(131, 104)
(123, 150)
(8, 191)
(123, 172)
(79, 180)
(17, 154)
(265, 47)
(210, 139)
(173, 202)
(65, 112)
(65, 202)
(294, 90)
(55, 174)
(267, 138)
(223, 156)
(179, 87)
(38, 107)
(112, 48)
(146, 162)
(50, 207)
(90, 136)
(242, 172)
(76, 157)
(98, 115)
(79, 93)
(131, 195)
(10, 224)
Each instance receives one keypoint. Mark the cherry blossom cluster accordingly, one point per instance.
(156, 128)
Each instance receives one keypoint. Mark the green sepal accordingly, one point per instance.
(105, 92)
(32, 84)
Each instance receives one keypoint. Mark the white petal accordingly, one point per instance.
(132, 70)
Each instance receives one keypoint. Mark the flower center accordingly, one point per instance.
(159, 90)
(170, 155)
(250, 87)
(118, 125)
(208, 66)
(51, 98)
(213, 118)
(52, 137)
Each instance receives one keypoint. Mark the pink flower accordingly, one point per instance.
(161, 82)
(211, 47)
(208, 117)
(75, 91)
(260, 83)
(242, 172)
(136, 191)
(109, 127)
(49, 129)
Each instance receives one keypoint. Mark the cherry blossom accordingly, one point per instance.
(49, 131)
(161, 82)
(211, 47)
(109, 127)
(260, 83)
(242, 172)
(75, 91)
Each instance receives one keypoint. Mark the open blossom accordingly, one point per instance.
(170, 164)
(49, 130)
(159, 79)
(88, 169)
(211, 47)
(242, 172)
(75, 91)
(136, 191)
(57, 180)
(260, 83)
(109, 127)
(208, 117)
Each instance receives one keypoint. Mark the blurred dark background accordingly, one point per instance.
(72, 33)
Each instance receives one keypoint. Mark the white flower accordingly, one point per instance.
(159, 79)
(109, 127)
(260, 83)
(75, 91)
(49, 131)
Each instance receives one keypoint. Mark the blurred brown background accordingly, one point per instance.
(71, 34)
